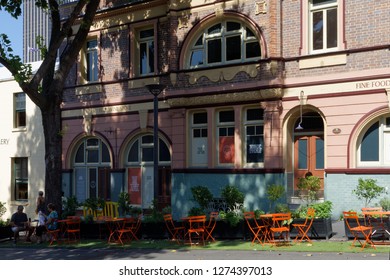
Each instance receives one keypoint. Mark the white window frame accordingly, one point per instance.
(22, 177)
(147, 41)
(247, 123)
(223, 35)
(19, 110)
(202, 128)
(384, 144)
(91, 61)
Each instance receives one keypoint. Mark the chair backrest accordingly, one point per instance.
(111, 209)
(372, 209)
(351, 219)
(281, 220)
(73, 224)
(310, 215)
(88, 211)
(250, 219)
(212, 219)
(197, 222)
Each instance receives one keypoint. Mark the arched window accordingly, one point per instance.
(91, 163)
(374, 143)
(141, 151)
(223, 43)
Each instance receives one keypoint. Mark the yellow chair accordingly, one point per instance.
(111, 209)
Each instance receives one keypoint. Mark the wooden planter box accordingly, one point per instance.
(153, 231)
(5, 232)
(223, 230)
(320, 229)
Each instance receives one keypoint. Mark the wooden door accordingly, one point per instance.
(309, 157)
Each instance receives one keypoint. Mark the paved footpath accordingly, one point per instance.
(21, 253)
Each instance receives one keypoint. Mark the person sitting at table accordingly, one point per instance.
(49, 224)
(19, 222)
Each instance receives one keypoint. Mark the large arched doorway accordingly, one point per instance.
(309, 155)
(139, 164)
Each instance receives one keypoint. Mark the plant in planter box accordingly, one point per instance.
(196, 211)
(367, 190)
(2, 209)
(124, 203)
(274, 192)
(385, 204)
(94, 203)
(70, 206)
(202, 196)
(234, 199)
(308, 188)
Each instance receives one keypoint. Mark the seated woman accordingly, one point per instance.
(50, 224)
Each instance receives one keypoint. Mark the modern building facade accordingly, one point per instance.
(257, 93)
(36, 26)
(21, 148)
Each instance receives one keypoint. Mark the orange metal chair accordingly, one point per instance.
(196, 230)
(304, 228)
(352, 221)
(280, 229)
(176, 232)
(258, 231)
(73, 229)
(211, 226)
(127, 231)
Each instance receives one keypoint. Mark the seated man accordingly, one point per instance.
(19, 222)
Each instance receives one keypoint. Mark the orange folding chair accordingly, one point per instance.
(304, 228)
(73, 229)
(127, 231)
(196, 230)
(176, 232)
(211, 226)
(352, 221)
(280, 229)
(258, 232)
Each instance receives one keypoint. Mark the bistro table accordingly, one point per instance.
(113, 225)
(379, 220)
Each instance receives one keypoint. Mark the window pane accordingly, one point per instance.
(146, 33)
(233, 48)
(318, 23)
(151, 57)
(252, 50)
(215, 29)
(319, 154)
(93, 156)
(200, 118)
(233, 26)
(197, 133)
(196, 58)
(331, 34)
(254, 114)
(147, 154)
(249, 33)
(105, 153)
(147, 139)
(92, 60)
(369, 150)
(20, 101)
(302, 154)
(143, 58)
(79, 158)
(226, 116)
(133, 153)
(93, 142)
(214, 51)
(164, 154)
(199, 42)
(254, 149)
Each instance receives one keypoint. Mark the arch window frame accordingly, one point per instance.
(213, 39)
(381, 135)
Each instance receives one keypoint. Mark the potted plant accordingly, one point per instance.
(367, 190)
(231, 225)
(5, 228)
(70, 206)
(124, 204)
(322, 224)
(308, 188)
(95, 204)
(202, 196)
(153, 225)
(274, 192)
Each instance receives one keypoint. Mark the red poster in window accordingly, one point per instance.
(134, 185)
(226, 149)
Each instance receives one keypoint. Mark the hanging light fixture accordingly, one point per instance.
(299, 127)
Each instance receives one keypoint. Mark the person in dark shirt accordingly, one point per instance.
(19, 222)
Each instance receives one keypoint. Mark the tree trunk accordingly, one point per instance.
(51, 121)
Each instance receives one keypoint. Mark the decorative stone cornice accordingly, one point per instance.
(255, 95)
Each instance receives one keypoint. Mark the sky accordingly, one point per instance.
(13, 28)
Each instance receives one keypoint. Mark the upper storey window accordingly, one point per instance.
(223, 43)
(146, 51)
(92, 60)
(323, 25)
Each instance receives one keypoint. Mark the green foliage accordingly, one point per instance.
(196, 211)
(155, 215)
(282, 208)
(233, 196)
(274, 192)
(367, 190)
(70, 206)
(94, 203)
(202, 195)
(258, 212)
(2, 209)
(385, 204)
(322, 210)
(231, 217)
(124, 202)
(308, 188)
